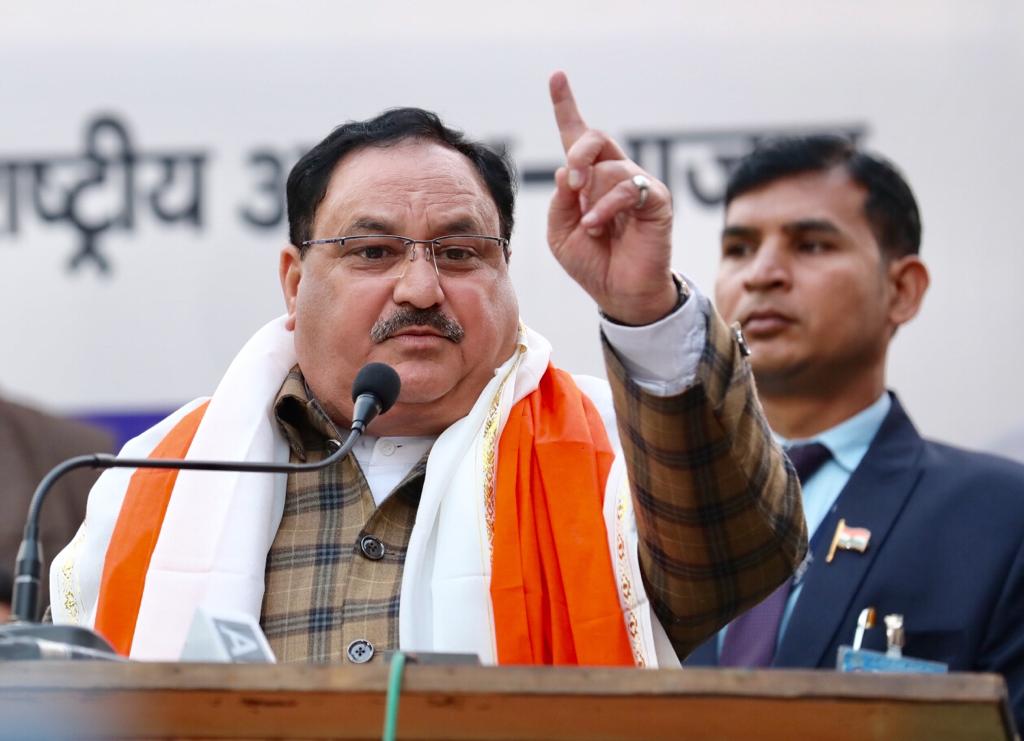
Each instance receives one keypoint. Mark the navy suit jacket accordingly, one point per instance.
(946, 552)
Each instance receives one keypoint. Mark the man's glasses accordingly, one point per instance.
(388, 255)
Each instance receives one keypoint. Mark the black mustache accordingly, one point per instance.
(434, 318)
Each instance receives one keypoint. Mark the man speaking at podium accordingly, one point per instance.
(491, 513)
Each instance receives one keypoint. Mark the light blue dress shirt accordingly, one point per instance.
(848, 442)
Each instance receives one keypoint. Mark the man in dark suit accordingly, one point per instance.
(820, 266)
(31, 443)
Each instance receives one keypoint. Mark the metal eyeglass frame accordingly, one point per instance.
(410, 244)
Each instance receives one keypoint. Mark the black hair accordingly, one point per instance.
(890, 207)
(308, 180)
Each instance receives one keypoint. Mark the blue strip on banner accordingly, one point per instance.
(123, 426)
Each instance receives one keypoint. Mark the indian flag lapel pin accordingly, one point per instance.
(848, 539)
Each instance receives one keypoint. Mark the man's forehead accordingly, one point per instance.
(828, 195)
(409, 179)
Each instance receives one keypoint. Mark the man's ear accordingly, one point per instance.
(908, 279)
(290, 272)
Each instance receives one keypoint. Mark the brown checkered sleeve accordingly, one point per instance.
(717, 502)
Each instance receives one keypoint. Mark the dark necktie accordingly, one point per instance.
(751, 638)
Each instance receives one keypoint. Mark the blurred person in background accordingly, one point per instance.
(820, 265)
(31, 443)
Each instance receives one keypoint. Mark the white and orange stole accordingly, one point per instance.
(524, 549)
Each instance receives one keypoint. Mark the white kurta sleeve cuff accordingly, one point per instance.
(662, 357)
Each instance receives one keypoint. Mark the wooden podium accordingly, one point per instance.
(83, 700)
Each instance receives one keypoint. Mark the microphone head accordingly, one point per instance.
(380, 380)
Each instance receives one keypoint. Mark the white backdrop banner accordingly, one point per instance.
(144, 151)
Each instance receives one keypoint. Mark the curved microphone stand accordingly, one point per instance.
(374, 391)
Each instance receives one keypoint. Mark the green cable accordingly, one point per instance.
(394, 689)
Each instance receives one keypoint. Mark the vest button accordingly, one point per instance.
(359, 651)
(371, 547)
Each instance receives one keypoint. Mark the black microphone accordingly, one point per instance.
(374, 391)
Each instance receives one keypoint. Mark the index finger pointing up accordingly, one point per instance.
(570, 123)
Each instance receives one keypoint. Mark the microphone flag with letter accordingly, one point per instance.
(226, 636)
